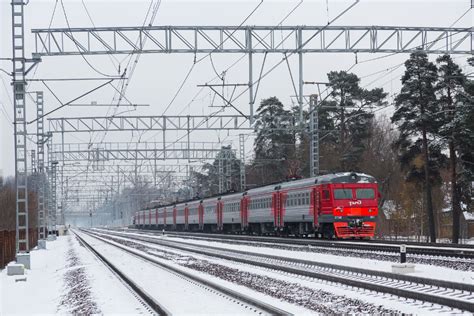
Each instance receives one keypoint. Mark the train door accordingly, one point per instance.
(283, 197)
(174, 217)
(220, 210)
(201, 215)
(186, 214)
(315, 206)
(164, 217)
(156, 217)
(276, 209)
(244, 212)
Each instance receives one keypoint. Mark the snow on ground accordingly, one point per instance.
(377, 299)
(45, 291)
(421, 270)
(177, 294)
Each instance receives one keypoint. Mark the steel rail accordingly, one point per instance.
(152, 303)
(267, 308)
(434, 250)
(401, 292)
(402, 277)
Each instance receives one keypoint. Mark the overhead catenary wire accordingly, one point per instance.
(78, 48)
(111, 56)
(215, 113)
(258, 81)
(237, 61)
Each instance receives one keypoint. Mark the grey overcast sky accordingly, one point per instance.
(157, 77)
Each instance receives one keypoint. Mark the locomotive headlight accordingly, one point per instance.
(340, 209)
(370, 210)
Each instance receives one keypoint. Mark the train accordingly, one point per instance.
(338, 205)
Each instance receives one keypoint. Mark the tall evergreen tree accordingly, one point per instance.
(416, 108)
(465, 139)
(348, 111)
(451, 93)
(225, 168)
(275, 142)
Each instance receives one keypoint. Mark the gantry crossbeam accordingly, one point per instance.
(137, 146)
(252, 39)
(99, 155)
(129, 168)
(148, 123)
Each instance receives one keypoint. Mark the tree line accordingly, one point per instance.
(422, 153)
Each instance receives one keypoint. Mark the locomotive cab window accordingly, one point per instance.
(365, 193)
(342, 194)
(325, 195)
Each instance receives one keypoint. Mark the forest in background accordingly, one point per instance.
(421, 155)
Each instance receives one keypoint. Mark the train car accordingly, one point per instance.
(194, 215)
(341, 205)
(229, 216)
(209, 214)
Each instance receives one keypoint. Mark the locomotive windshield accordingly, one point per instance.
(365, 193)
(342, 194)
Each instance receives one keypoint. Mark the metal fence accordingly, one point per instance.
(7, 245)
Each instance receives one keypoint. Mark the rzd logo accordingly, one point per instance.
(352, 203)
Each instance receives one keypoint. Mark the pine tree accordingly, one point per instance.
(348, 112)
(451, 92)
(275, 141)
(465, 139)
(416, 108)
(225, 164)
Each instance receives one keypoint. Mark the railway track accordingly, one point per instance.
(256, 305)
(141, 295)
(454, 295)
(440, 250)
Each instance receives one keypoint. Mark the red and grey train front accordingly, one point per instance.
(352, 201)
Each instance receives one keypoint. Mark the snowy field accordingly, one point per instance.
(67, 279)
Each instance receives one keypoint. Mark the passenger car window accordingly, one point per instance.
(340, 194)
(365, 193)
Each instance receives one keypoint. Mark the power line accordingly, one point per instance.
(111, 57)
(230, 35)
(75, 43)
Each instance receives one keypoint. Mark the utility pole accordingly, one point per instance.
(228, 157)
(248, 37)
(242, 162)
(52, 181)
(19, 104)
(42, 225)
(314, 136)
(300, 74)
(221, 175)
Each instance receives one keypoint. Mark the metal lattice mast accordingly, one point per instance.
(53, 195)
(52, 185)
(228, 157)
(300, 73)
(314, 137)
(251, 94)
(40, 152)
(242, 162)
(33, 162)
(221, 175)
(19, 84)
(62, 206)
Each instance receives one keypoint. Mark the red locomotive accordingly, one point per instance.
(341, 205)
